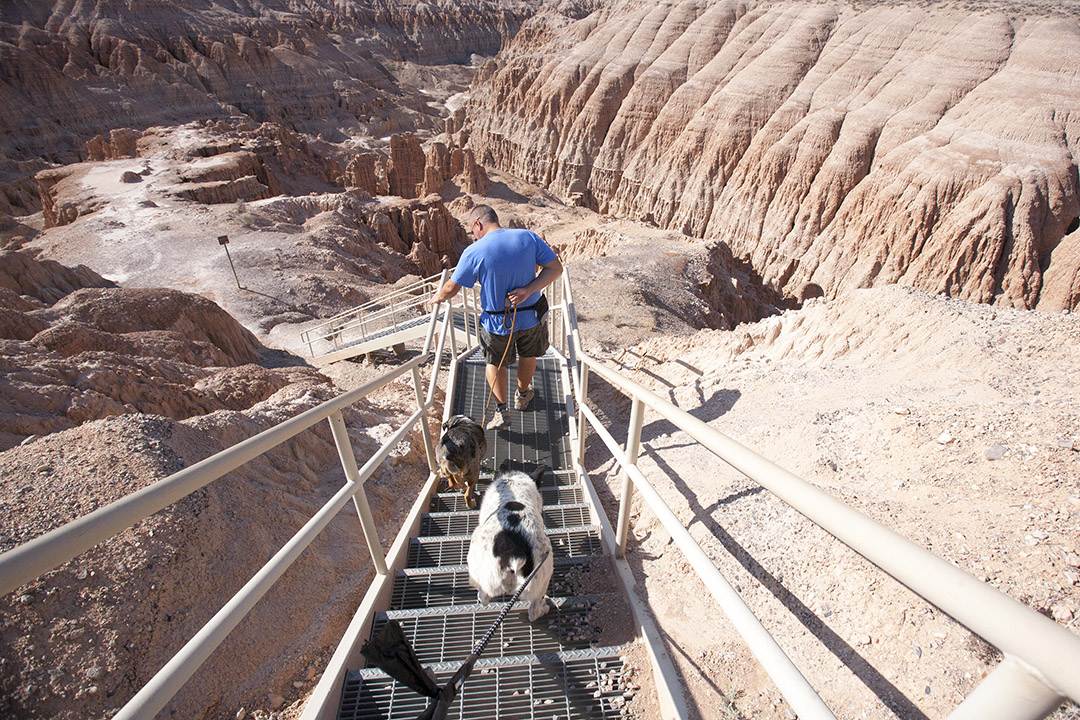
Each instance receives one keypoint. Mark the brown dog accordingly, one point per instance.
(461, 449)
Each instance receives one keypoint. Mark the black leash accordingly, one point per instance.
(440, 705)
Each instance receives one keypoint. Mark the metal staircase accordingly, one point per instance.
(569, 663)
(582, 659)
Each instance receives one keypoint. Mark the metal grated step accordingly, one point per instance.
(462, 523)
(554, 495)
(568, 663)
(433, 587)
(447, 634)
(454, 549)
(539, 435)
(551, 478)
(587, 684)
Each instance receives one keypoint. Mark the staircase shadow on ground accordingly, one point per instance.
(888, 693)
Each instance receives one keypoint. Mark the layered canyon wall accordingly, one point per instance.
(829, 145)
(69, 72)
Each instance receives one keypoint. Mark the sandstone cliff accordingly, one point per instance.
(69, 72)
(828, 145)
(385, 240)
(76, 349)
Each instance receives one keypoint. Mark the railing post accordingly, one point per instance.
(452, 330)
(479, 310)
(352, 474)
(581, 412)
(429, 448)
(556, 299)
(633, 443)
(467, 297)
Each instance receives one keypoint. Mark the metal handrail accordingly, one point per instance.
(321, 704)
(372, 312)
(1041, 657)
(36, 557)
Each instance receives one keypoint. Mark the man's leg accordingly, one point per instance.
(498, 353)
(497, 381)
(526, 366)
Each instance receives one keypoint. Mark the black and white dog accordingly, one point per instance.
(461, 449)
(510, 541)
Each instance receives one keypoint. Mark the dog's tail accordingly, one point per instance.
(520, 565)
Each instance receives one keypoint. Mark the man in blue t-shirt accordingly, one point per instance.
(504, 260)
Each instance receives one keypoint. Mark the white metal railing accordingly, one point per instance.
(323, 703)
(1041, 658)
(359, 323)
(36, 557)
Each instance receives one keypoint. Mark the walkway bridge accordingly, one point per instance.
(570, 663)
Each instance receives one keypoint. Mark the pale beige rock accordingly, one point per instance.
(63, 202)
(97, 352)
(223, 166)
(405, 168)
(224, 191)
(360, 173)
(472, 177)
(433, 181)
(45, 281)
(428, 224)
(438, 157)
(825, 145)
(79, 73)
(122, 143)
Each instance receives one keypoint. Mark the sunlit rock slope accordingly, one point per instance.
(828, 144)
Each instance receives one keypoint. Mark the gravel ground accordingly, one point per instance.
(953, 424)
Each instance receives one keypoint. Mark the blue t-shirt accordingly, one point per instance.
(503, 260)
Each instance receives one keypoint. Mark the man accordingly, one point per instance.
(504, 260)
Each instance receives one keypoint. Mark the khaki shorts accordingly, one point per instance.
(528, 343)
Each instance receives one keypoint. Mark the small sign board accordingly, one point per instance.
(223, 240)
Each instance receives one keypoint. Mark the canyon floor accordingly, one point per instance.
(955, 424)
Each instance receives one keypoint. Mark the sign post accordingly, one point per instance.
(223, 241)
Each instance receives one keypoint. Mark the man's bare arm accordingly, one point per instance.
(548, 273)
(447, 291)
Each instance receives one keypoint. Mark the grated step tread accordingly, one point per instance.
(539, 436)
(445, 634)
(587, 684)
(465, 521)
(449, 585)
(454, 549)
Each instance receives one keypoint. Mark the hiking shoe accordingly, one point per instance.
(501, 419)
(522, 401)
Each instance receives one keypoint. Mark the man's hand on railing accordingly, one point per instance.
(446, 292)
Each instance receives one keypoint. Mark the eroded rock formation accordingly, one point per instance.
(826, 146)
(70, 73)
(43, 282)
(62, 199)
(635, 290)
(471, 175)
(360, 173)
(405, 168)
(76, 349)
(120, 144)
(386, 239)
